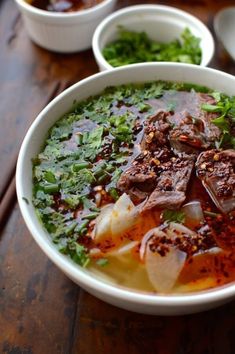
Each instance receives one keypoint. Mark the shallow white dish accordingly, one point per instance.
(32, 144)
(63, 32)
(224, 25)
(161, 23)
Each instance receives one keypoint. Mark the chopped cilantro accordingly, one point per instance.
(133, 47)
(77, 252)
(121, 127)
(174, 215)
(42, 199)
(222, 123)
(225, 106)
(77, 182)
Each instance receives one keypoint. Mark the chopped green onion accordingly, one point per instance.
(90, 216)
(51, 188)
(49, 177)
(70, 228)
(79, 139)
(79, 229)
(83, 231)
(80, 166)
(103, 177)
(114, 193)
(110, 168)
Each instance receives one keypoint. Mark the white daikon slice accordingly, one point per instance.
(103, 223)
(124, 253)
(153, 232)
(163, 271)
(124, 249)
(123, 216)
(180, 229)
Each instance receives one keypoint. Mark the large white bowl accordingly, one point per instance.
(161, 23)
(63, 32)
(32, 144)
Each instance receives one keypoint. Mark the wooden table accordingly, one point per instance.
(41, 310)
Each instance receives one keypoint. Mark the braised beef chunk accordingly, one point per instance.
(164, 200)
(175, 174)
(169, 142)
(216, 169)
(192, 133)
(138, 180)
(189, 135)
(211, 131)
(152, 176)
(171, 184)
(155, 131)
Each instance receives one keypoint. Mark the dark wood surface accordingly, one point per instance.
(41, 310)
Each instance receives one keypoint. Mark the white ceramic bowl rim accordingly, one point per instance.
(75, 14)
(138, 9)
(76, 272)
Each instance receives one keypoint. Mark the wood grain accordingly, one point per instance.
(118, 331)
(41, 310)
(37, 301)
(29, 76)
(7, 202)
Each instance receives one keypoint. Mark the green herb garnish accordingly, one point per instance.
(133, 47)
(174, 215)
(225, 106)
(76, 252)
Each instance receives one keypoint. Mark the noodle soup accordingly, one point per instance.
(138, 185)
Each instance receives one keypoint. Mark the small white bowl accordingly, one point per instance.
(32, 145)
(63, 32)
(224, 25)
(161, 23)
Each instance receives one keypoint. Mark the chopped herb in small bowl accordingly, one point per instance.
(137, 47)
(151, 33)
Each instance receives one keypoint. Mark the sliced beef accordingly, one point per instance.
(164, 200)
(156, 130)
(171, 184)
(216, 169)
(212, 132)
(192, 133)
(138, 180)
(169, 145)
(175, 174)
(188, 136)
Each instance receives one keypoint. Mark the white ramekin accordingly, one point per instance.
(32, 144)
(161, 23)
(63, 32)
